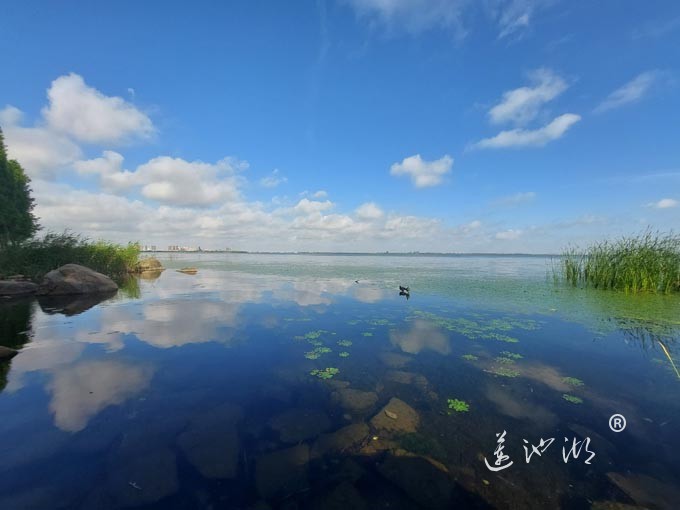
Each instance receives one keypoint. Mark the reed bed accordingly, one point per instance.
(648, 262)
(36, 257)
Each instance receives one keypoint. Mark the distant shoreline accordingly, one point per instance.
(359, 254)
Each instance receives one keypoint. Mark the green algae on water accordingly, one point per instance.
(572, 399)
(344, 343)
(511, 355)
(572, 381)
(326, 373)
(504, 372)
(367, 333)
(505, 361)
(344, 354)
(460, 406)
(469, 357)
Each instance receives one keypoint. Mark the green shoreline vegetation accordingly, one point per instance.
(648, 262)
(21, 253)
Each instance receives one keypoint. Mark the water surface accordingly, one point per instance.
(272, 379)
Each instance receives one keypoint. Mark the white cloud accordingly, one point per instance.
(664, 203)
(84, 113)
(423, 173)
(517, 198)
(528, 137)
(167, 180)
(515, 16)
(273, 180)
(631, 92)
(320, 194)
(413, 16)
(306, 206)
(521, 105)
(508, 235)
(369, 211)
(39, 150)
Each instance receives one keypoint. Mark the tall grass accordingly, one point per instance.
(36, 257)
(648, 262)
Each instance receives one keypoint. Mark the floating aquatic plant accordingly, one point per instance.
(312, 335)
(505, 361)
(493, 329)
(460, 406)
(326, 373)
(572, 381)
(379, 322)
(469, 357)
(367, 333)
(353, 322)
(511, 355)
(504, 372)
(315, 342)
(572, 399)
(344, 354)
(312, 355)
(344, 343)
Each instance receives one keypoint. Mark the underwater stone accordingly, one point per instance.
(296, 425)
(283, 472)
(341, 440)
(407, 418)
(355, 400)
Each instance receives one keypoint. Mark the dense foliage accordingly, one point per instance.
(36, 257)
(17, 221)
(649, 262)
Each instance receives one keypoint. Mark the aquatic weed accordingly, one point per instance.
(469, 357)
(511, 355)
(572, 399)
(572, 381)
(367, 333)
(460, 406)
(326, 373)
(344, 354)
(504, 372)
(344, 343)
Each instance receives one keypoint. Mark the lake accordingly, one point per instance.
(308, 381)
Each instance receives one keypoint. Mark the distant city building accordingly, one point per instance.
(148, 247)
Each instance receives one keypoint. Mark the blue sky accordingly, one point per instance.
(431, 125)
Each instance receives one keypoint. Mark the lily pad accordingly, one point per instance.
(572, 399)
(460, 406)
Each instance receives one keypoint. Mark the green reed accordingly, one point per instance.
(648, 262)
(36, 257)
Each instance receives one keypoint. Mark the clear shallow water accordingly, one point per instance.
(196, 392)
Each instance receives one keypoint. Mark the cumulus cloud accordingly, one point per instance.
(413, 16)
(273, 179)
(530, 137)
(40, 151)
(423, 173)
(306, 206)
(369, 211)
(664, 203)
(82, 112)
(320, 194)
(520, 106)
(631, 92)
(167, 180)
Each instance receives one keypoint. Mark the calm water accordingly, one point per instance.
(279, 382)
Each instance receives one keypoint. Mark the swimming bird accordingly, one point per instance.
(404, 289)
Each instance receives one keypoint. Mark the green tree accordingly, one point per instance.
(17, 221)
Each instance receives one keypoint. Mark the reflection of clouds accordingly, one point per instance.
(172, 323)
(509, 405)
(41, 355)
(422, 336)
(80, 391)
(368, 294)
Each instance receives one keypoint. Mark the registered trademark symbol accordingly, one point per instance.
(617, 422)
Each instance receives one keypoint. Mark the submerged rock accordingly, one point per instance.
(7, 353)
(17, 288)
(282, 473)
(73, 304)
(296, 425)
(144, 479)
(211, 443)
(394, 360)
(647, 491)
(342, 440)
(420, 480)
(355, 400)
(407, 419)
(343, 497)
(75, 279)
(188, 270)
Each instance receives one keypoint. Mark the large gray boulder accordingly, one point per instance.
(17, 288)
(75, 279)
